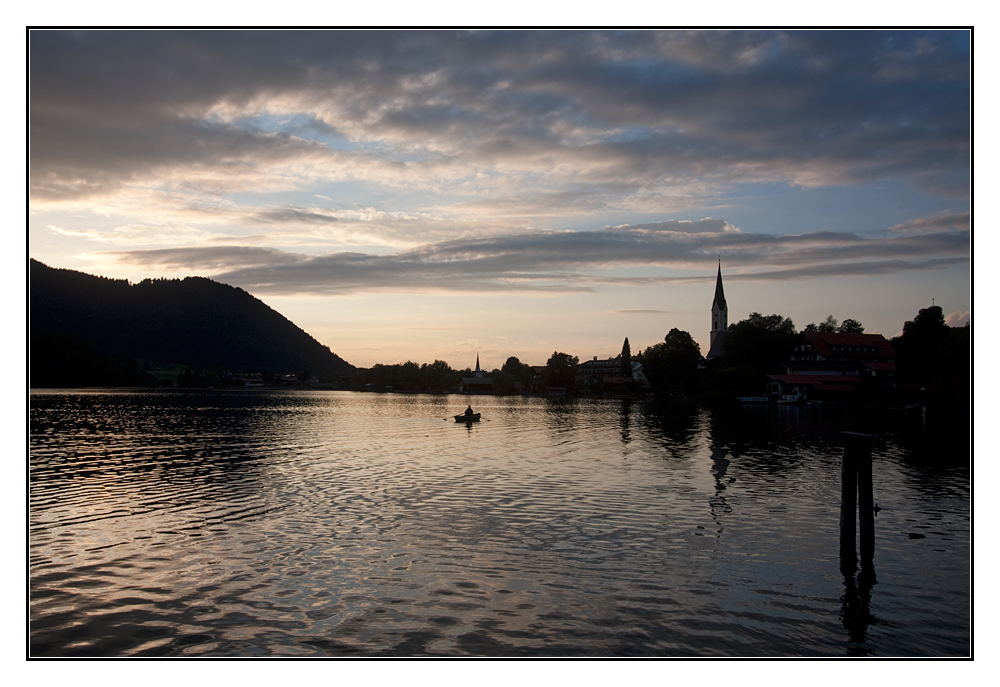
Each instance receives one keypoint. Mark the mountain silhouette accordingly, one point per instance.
(78, 320)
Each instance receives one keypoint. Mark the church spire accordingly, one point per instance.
(479, 373)
(720, 296)
(720, 318)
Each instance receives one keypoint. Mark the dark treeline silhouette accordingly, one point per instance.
(436, 377)
(751, 348)
(560, 371)
(830, 325)
(759, 341)
(936, 356)
(672, 366)
(514, 377)
(929, 354)
(82, 327)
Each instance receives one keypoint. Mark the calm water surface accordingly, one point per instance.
(255, 523)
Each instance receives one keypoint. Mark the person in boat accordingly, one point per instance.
(468, 411)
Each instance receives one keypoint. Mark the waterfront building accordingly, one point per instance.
(828, 365)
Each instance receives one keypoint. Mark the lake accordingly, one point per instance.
(329, 523)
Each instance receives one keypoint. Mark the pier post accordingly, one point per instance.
(848, 492)
(856, 481)
(866, 502)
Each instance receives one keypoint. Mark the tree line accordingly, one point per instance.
(927, 352)
(514, 377)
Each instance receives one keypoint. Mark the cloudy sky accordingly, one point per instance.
(405, 195)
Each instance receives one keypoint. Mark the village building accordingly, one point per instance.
(477, 384)
(607, 374)
(828, 365)
(597, 370)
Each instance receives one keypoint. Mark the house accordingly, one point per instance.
(596, 370)
(833, 347)
(828, 365)
(606, 376)
(637, 374)
(791, 388)
(599, 370)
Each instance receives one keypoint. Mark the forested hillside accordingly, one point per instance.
(78, 320)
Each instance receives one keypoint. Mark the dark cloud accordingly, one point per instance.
(562, 261)
(606, 110)
(288, 215)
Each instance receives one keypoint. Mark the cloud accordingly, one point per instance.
(140, 235)
(682, 226)
(960, 221)
(292, 215)
(557, 262)
(505, 119)
(959, 318)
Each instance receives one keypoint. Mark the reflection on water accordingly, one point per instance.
(856, 604)
(332, 523)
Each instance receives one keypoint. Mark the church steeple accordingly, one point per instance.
(479, 373)
(720, 296)
(720, 318)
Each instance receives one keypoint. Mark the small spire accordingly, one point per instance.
(720, 295)
(477, 361)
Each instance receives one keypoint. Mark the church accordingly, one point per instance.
(479, 384)
(720, 319)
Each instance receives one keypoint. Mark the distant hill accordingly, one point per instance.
(80, 320)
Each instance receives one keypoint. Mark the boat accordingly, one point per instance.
(474, 417)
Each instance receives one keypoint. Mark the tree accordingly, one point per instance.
(626, 367)
(673, 364)
(760, 341)
(829, 325)
(438, 376)
(560, 370)
(850, 326)
(918, 347)
(520, 372)
(407, 376)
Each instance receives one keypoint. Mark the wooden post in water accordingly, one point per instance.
(848, 493)
(856, 479)
(866, 501)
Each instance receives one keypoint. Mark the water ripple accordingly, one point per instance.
(339, 524)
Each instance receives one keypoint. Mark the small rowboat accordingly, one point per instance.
(467, 418)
